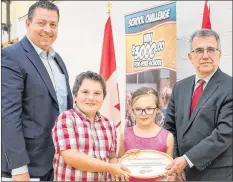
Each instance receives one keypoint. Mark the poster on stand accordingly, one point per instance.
(150, 37)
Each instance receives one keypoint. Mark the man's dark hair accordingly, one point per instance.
(42, 4)
(88, 75)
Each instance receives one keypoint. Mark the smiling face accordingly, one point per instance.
(205, 63)
(89, 97)
(147, 102)
(43, 28)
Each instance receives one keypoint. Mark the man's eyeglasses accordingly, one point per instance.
(200, 51)
(148, 111)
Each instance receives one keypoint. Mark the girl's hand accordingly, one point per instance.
(132, 151)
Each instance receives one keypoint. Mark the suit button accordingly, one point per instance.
(184, 140)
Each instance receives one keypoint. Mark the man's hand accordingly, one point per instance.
(181, 176)
(21, 177)
(177, 166)
(171, 177)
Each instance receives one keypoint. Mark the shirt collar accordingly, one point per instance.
(41, 51)
(206, 79)
(84, 116)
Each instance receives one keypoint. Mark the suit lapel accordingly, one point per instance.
(61, 65)
(36, 61)
(64, 71)
(189, 86)
(210, 88)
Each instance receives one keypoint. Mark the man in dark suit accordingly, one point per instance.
(35, 89)
(200, 114)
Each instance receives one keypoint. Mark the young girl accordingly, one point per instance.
(146, 134)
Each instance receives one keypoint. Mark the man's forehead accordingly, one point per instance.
(45, 14)
(204, 39)
(210, 40)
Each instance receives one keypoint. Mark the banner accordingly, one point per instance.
(151, 54)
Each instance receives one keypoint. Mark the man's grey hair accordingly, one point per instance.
(205, 33)
(42, 4)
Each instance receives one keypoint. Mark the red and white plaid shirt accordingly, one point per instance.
(73, 130)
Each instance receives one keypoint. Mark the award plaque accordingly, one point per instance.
(146, 164)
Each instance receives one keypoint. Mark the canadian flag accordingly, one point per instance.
(111, 105)
(206, 24)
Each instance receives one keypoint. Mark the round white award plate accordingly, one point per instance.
(146, 164)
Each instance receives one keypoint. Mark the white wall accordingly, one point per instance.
(189, 18)
(4, 36)
(82, 24)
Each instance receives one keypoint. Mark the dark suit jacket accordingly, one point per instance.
(29, 109)
(205, 136)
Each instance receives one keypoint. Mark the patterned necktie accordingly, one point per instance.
(197, 94)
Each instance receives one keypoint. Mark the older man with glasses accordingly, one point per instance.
(199, 114)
